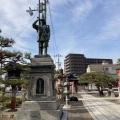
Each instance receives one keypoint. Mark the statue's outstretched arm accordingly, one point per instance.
(34, 25)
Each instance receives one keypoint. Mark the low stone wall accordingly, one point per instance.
(18, 94)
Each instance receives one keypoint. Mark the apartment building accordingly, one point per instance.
(77, 63)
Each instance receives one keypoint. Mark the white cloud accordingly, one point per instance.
(82, 10)
(56, 3)
(110, 31)
(16, 23)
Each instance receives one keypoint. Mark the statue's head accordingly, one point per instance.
(43, 21)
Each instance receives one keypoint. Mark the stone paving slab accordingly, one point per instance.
(101, 109)
(91, 113)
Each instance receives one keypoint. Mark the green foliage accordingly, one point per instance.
(56, 71)
(4, 98)
(87, 78)
(28, 56)
(8, 104)
(18, 101)
(118, 61)
(0, 71)
(6, 53)
(25, 76)
(16, 66)
(25, 84)
(2, 89)
(15, 82)
(96, 77)
(1, 81)
(6, 42)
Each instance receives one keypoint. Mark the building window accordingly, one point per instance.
(40, 86)
(106, 69)
(113, 68)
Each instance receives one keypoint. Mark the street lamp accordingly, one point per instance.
(41, 7)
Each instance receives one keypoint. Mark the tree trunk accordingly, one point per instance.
(100, 90)
(13, 99)
(102, 94)
(14, 91)
(109, 89)
(91, 86)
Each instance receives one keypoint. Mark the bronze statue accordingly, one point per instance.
(43, 31)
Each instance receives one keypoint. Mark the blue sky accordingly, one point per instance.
(89, 27)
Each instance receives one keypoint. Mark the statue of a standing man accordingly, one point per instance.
(43, 31)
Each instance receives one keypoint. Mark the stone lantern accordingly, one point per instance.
(67, 93)
(13, 71)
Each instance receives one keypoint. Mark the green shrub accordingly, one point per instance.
(4, 98)
(8, 104)
(2, 89)
(18, 101)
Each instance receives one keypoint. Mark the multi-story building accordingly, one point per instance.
(77, 63)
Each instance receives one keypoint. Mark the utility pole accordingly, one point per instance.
(44, 9)
(58, 62)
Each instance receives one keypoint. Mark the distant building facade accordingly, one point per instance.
(78, 63)
(109, 69)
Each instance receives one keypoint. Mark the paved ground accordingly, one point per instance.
(78, 111)
(101, 109)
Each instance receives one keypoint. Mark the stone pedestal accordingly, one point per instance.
(41, 80)
(41, 104)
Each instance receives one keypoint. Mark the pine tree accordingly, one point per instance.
(9, 63)
(5, 55)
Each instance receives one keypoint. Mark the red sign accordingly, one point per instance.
(118, 73)
(118, 83)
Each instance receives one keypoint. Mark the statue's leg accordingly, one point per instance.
(40, 48)
(45, 44)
